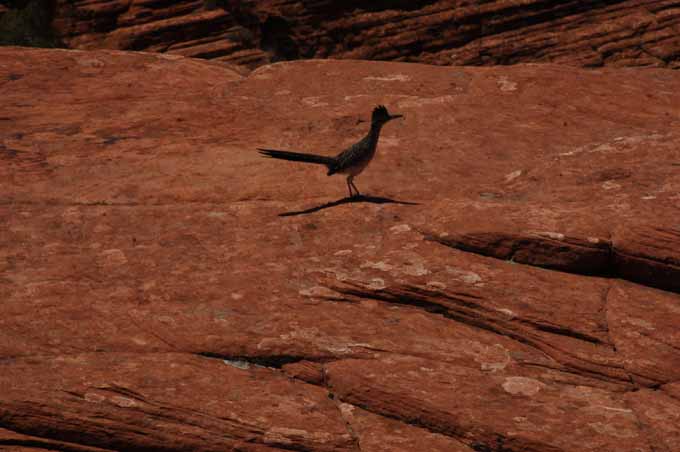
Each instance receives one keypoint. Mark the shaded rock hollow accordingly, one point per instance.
(462, 32)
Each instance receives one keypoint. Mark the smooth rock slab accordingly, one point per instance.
(168, 402)
(140, 227)
(505, 409)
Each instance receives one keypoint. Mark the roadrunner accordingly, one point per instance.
(353, 160)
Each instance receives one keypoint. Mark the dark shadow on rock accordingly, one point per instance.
(347, 200)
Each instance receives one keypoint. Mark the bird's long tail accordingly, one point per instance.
(297, 156)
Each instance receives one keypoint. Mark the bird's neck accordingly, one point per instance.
(374, 133)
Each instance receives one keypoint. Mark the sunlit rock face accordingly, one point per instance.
(508, 281)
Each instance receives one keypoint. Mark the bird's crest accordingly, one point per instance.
(381, 110)
(380, 114)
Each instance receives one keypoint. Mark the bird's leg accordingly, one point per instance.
(349, 186)
(351, 181)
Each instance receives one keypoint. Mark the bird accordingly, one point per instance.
(353, 160)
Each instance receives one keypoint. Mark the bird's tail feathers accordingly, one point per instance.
(297, 156)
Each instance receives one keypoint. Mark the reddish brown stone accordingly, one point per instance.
(659, 415)
(305, 371)
(142, 249)
(18, 442)
(621, 33)
(639, 320)
(380, 434)
(167, 402)
(649, 254)
(509, 409)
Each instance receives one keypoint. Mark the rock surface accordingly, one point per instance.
(510, 284)
(253, 33)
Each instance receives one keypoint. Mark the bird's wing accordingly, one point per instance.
(347, 157)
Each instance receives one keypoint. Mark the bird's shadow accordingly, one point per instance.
(348, 200)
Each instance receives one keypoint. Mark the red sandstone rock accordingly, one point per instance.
(377, 433)
(173, 401)
(305, 371)
(252, 33)
(17, 442)
(659, 412)
(511, 409)
(154, 298)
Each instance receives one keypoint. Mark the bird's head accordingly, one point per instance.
(381, 116)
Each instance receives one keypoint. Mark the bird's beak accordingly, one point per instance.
(395, 116)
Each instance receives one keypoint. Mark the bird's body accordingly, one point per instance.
(353, 160)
